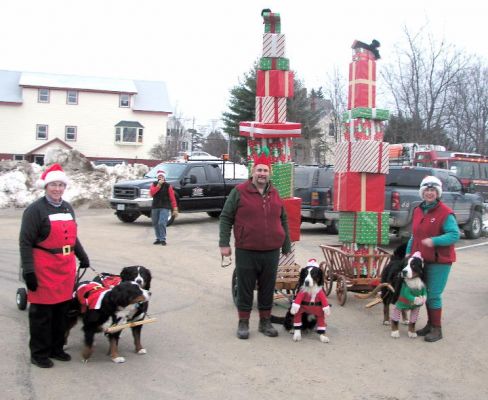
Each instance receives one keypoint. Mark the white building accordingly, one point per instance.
(102, 118)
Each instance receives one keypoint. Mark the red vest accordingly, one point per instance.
(257, 224)
(429, 225)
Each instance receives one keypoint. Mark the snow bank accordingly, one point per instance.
(89, 185)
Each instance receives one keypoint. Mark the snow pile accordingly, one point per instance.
(89, 185)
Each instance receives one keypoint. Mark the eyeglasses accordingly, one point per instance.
(226, 261)
(56, 185)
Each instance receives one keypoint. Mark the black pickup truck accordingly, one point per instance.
(402, 196)
(199, 187)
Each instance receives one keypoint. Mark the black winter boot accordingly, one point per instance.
(434, 335)
(266, 328)
(243, 329)
(425, 330)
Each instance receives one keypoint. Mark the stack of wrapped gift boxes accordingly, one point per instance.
(270, 132)
(361, 165)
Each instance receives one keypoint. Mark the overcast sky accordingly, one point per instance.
(202, 48)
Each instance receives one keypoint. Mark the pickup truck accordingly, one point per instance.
(199, 187)
(313, 184)
(402, 196)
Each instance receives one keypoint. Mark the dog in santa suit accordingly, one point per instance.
(310, 302)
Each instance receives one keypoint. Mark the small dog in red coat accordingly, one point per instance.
(310, 306)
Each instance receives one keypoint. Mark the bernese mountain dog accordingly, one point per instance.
(137, 275)
(310, 306)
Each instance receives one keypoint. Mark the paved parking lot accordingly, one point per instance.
(192, 349)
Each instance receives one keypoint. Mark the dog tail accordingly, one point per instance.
(277, 320)
(375, 291)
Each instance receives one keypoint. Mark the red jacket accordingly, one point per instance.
(429, 225)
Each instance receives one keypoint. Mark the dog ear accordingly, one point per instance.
(147, 278)
(320, 277)
(125, 274)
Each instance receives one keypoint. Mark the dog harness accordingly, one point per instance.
(90, 295)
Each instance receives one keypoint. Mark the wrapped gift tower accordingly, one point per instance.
(271, 132)
(361, 165)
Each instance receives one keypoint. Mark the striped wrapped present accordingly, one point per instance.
(273, 45)
(363, 156)
(271, 109)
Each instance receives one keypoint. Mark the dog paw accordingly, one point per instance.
(405, 322)
(387, 322)
(395, 334)
(118, 360)
(297, 336)
(142, 351)
(412, 335)
(324, 339)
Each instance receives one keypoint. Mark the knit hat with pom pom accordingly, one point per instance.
(430, 182)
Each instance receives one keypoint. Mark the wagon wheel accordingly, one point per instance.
(341, 290)
(21, 298)
(328, 277)
(233, 287)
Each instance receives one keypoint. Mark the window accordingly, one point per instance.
(41, 132)
(124, 100)
(43, 96)
(331, 129)
(18, 157)
(72, 97)
(129, 132)
(70, 133)
(199, 173)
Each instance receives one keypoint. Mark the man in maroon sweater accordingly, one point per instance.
(256, 212)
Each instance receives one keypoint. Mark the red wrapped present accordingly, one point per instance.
(362, 84)
(271, 109)
(273, 45)
(275, 83)
(293, 207)
(359, 191)
(363, 156)
(261, 130)
(364, 129)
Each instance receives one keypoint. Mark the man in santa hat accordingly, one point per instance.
(256, 211)
(48, 245)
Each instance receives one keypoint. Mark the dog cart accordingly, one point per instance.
(351, 272)
(285, 286)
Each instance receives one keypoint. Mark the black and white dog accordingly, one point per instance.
(413, 294)
(310, 306)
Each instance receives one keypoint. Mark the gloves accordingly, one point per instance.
(419, 300)
(174, 213)
(30, 279)
(85, 263)
(326, 311)
(294, 308)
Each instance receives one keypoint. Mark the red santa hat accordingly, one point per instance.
(161, 172)
(54, 173)
(312, 262)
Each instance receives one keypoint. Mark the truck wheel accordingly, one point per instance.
(214, 214)
(21, 298)
(333, 228)
(475, 226)
(126, 217)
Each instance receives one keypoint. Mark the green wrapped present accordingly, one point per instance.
(281, 63)
(282, 178)
(364, 227)
(272, 22)
(364, 112)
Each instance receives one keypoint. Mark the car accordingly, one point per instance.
(314, 184)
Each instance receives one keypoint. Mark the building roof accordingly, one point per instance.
(130, 124)
(10, 91)
(148, 95)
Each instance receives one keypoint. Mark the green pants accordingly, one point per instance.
(436, 280)
(256, 269)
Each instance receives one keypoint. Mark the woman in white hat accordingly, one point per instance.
(434, 232)
(48, 246)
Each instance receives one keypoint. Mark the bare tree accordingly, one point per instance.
(469, 109)
(421, 83)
